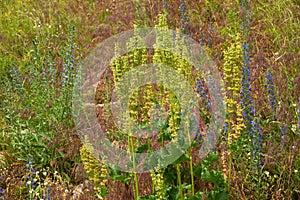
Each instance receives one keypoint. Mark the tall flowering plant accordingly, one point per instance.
(246, 91)
(232, 79)
(248, 110)
(184, 17)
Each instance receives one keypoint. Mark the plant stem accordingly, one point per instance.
(230, 157)
(179, 181)
(192, 173)
(191, 166)
(136, 190)
(229, 170)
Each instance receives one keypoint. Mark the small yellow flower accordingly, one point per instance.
(7, 14)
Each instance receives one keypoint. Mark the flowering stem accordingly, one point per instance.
(136, 190)
(191, 165)
(179, 181)
(192, 173)
(230, 157)
(299, 116)
(229, 170)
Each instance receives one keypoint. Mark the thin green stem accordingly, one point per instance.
(191, 166)
(229, 170)
(192, 173)
(136, 190)
(230, 157)
(179, 181)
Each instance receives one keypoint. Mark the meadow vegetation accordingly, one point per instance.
(255, 46)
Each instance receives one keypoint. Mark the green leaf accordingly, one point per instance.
(198, 196)
(218, 195)
(142, 148)
(213, 176)
(173, 193)
(148, 197)
(116, 175)
(212, 157)
(198, 170)
(104, 191)
(182, 158)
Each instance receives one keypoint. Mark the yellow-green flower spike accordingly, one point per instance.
(97, 172)
(158, 183)
(232, 78)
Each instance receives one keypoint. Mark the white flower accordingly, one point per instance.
(294, 128)
(267, 173)
(24, 131)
